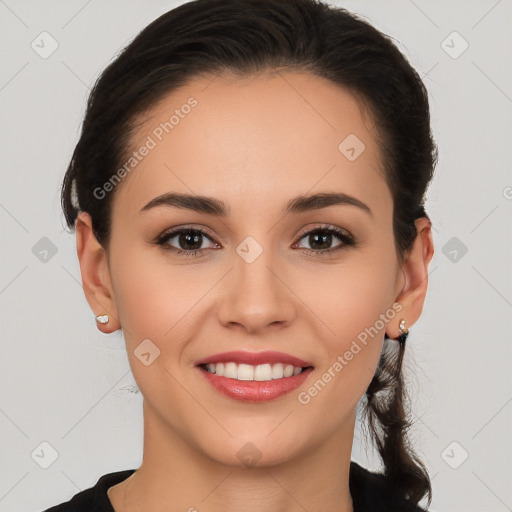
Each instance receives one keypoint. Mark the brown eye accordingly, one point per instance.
(189, 241)
(321, 239)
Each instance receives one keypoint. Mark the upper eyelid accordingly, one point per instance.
(324, 227)
(175, 231)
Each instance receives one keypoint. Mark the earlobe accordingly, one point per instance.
(95, 275)
(415, 270)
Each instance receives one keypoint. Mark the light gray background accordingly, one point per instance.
(65, 383)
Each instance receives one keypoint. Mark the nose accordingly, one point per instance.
(257, 294)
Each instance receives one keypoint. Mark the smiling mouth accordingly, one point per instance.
(246, 372)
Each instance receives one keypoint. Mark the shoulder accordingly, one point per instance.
(93, 499)
(372, 493)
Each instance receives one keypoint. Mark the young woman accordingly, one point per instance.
(248, 197)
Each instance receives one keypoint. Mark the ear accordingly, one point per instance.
(95, 274)
(415, 270)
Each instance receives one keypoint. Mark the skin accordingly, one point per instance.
(254, 144)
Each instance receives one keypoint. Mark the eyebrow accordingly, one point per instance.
(216, 207)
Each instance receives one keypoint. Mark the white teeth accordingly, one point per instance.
(288, 370)
(245, 372)
(230, 370)
(261, 372)
(277, 371)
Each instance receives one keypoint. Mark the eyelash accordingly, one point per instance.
(347, 240)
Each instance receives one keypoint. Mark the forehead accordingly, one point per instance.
(258, 138)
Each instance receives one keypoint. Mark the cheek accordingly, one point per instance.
(354, 303)
(148, 297)
(160, 300)
(154, 303)
(348, 297)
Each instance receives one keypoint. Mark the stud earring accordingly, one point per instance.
(403, 332)
(102, 319)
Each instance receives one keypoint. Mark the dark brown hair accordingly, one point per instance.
(246, 37)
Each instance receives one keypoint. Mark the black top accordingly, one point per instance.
(368, 490)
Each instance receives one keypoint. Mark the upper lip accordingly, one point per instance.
(254, 358)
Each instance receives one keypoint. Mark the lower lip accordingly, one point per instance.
(253, 390)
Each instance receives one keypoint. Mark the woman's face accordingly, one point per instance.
(258, 281)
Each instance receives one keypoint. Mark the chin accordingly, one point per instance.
(256, 451)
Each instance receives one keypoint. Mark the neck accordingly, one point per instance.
(175, 472)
